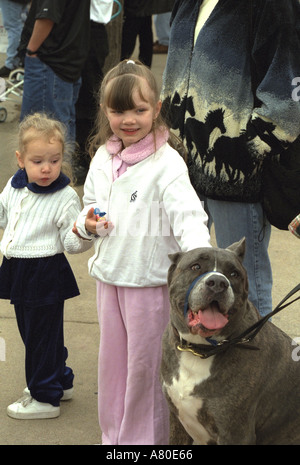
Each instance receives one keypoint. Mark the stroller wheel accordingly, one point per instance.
(3, 114)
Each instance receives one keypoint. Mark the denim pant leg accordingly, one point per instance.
(162, 27)
(44, 91)
(233, 221)
(13, 24)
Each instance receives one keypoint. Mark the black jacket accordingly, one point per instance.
(147, 7)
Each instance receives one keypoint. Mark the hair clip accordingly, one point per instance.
(130, 61)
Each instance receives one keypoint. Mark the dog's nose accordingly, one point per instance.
(217, 283)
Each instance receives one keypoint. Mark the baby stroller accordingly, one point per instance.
(13, 85)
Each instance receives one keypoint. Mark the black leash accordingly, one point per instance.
(205, 350)
(254, 329)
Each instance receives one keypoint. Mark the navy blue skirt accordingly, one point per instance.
(37, 281)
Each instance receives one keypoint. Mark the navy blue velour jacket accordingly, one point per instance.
(233, 94)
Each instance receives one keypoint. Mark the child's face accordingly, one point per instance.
(42, 160)
(134, 124)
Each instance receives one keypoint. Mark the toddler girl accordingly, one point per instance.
(142, 184)
(37, 211)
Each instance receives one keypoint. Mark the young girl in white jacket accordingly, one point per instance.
(150, 210)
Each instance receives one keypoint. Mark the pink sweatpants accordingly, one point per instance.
(132, 408)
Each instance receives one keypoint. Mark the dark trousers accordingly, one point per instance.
(133, 27)
(87, 105)
(41, 329)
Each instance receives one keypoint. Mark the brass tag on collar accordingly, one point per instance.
(188, 349)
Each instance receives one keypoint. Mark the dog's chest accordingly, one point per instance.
(192, 371)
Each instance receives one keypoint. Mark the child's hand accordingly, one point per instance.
(75, 231)
(98, 228)
(91, 221)
(103, 227)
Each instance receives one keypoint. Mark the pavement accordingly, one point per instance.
(78, 422)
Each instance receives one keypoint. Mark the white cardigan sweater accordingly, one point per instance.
(39, 225)
(155, 212)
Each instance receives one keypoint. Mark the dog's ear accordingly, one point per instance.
(175, 257)
(239, 248)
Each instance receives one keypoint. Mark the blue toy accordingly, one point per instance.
(99, 215)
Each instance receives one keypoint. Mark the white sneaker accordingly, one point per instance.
(67, 395)
(28, 408)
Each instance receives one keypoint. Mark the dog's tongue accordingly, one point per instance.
(210, 317)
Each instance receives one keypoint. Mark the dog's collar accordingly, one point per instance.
(241, 341)
(207, 350)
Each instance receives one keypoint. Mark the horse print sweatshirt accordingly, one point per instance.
(231, 90)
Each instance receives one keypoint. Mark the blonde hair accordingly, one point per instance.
(40, 125)
(116, 92)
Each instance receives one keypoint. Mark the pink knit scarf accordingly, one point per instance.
(135, 152)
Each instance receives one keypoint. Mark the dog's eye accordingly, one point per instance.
(234, 274)
(195, 267)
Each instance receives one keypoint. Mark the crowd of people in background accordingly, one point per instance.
(76, 69)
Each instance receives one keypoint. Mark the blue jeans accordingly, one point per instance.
(44, 91)
(162, 27)
(13, 24)
(233, 221)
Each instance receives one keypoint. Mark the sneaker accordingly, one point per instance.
(67, 395)
(28, 408)
(5, 72)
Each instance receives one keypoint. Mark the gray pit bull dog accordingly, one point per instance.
(246, 394)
